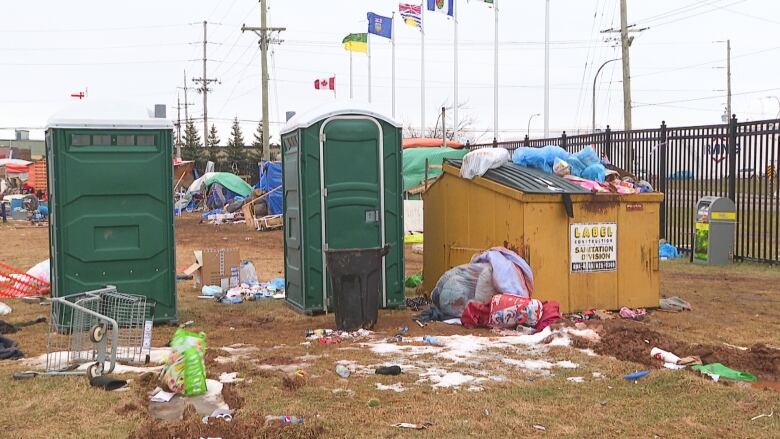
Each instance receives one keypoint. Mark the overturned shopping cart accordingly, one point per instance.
(90, 332)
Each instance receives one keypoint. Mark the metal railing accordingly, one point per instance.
(737, 160)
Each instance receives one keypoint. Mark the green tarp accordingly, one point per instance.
(414, 163)
(230, 181)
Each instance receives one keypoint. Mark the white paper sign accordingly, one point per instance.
(593, 247)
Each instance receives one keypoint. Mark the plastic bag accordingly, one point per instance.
(41, 271)
(588, 157)
(461, 284)
(504, 311)
(185, 369)
(539, 158)
(595, 172)
(576, 165)
(477, 162)
(561, 167)
(247, 273)
(668, 251)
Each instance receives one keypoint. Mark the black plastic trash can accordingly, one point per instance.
(356, 278)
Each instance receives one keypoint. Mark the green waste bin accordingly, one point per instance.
(110, 174)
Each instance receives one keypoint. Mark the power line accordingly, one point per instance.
(653, 104)
(101, 29)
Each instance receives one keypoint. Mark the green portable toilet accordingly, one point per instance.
(111, 203)
(344, 161)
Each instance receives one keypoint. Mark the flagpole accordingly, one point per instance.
(455, 103)
(422, 69)
(351, 90)
(392, 41)
(495, 73)
(368, 43)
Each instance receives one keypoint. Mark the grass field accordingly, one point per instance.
(738, 305)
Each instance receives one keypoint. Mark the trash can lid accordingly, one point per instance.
(528, 180)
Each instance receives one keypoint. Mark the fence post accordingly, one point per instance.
(608, 144)
(732, 183)
(526, 141)
(662, 138)
(495, 142)
(563, 140)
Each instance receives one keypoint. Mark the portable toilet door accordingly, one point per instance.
(352, 202)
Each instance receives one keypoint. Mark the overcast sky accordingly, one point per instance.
(138, 51)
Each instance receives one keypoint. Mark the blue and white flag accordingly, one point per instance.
(443, 6)
(379, 25)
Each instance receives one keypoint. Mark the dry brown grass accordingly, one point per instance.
(738, 305)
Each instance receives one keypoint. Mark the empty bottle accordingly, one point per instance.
(430, 339)
(282, 420)
(342, 371)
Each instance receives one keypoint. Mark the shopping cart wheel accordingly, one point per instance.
(94, 370)
(97, 332)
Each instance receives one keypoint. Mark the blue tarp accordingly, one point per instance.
(270, 179)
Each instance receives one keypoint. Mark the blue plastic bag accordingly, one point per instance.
(588, 157)
(539, 158)
(576, 165)
(668, 251)
(595, 172)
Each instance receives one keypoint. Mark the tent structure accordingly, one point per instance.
(414, 160)
(271, 183)
(429, 142)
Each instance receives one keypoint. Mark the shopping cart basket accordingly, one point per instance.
(101, 327)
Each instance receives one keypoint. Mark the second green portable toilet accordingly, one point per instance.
(342, 189)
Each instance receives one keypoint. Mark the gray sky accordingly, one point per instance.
(137, 51)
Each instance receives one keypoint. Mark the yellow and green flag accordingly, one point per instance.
(356, 42)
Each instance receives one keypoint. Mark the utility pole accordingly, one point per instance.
(178, 126)
(547, 69)
(728, 78)
(204, 88)
(267, 37)
(625, 43)
(186, 105)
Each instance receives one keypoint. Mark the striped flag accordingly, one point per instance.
(356, 43)
(411, 14)
(325, 83)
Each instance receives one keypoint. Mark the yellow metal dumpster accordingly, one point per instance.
(586, 250)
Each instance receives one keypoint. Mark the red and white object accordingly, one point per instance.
(325, 84)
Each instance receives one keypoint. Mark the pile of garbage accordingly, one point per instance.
(584, 168)
(245, 292)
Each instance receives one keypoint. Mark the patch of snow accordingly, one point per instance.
(566, 364)
(397, 387)
(228, 378)
(528, 364)
(474, 389)
(576, 379)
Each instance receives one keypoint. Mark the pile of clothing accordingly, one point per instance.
(583, 168)
(494, 290)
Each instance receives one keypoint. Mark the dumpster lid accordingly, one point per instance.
(528, 180)
(107, 115)
(338, 108)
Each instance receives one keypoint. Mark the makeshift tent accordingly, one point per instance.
(271, 182)
(427, 142)
(229, 181)
(414, 163)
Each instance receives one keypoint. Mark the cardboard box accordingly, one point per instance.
(249, 215)
(218, 267)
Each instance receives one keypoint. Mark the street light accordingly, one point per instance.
(778, 104)
(594, 90)
(529, 123)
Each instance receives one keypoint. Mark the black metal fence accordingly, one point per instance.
(738, 160)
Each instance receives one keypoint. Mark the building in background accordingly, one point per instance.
(22, 147)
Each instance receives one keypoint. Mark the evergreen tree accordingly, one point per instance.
(213, 145)
(236, 155)
(258, 142)
(192, 147)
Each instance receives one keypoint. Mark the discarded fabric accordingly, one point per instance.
(9, 349)
(633, 314)
(511, 273)
(504, 311)
(668, 251)
(719, 370)
(675, 303)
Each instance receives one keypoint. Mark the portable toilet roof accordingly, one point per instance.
(309, 118)
(107, 115)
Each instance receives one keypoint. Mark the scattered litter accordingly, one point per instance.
(4, 309)
(397, 387)
(474, 389)
(718, 370)
(674, 304)
(419, 323)
(763, 416)
(271, 420)
(229, 378)
(539, 427)
(741, 348)
(187, 324)
(632, 314)
(225, 415)
(576, 379)
(388, 370)
(160, 395)
(636, 375)
(422, 426)
(342, 371)
(455, 321)
(430, 339)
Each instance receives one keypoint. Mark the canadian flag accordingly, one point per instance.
(325, 84)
